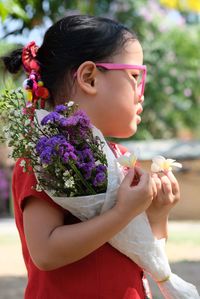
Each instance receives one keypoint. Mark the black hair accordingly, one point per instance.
(13, 62)
(70, 42)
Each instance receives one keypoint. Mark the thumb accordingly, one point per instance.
(142, 176)
(127, 181)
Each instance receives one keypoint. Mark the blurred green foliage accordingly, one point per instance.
(171, 53)
(172, 101)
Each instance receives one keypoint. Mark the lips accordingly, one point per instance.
(138, 119)
(139, 111)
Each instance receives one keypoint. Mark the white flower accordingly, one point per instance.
(44, 165)
(31, 144)
(98, 163)
(70, 103)
(22, 163)
(69, 183)
(127, 160)
(160, 164)
(17, 113)
(27, 122)
(66, 173)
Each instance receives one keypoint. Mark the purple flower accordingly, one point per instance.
(65, 147)
(101, 168)
(52, 117)
(85, 157)
(46, 155)
(88, 174)
(79, 118)
(47, 148)
(56, 140)
(60, 108)
(41, 144)
(82, 119)
(99, 179)
(69, 156)
(68, 122)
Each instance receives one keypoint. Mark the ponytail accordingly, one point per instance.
(13, 61)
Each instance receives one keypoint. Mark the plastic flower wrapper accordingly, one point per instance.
(136, 240)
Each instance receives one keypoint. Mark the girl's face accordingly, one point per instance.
(115, 106)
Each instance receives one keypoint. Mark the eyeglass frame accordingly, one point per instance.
(121, 66)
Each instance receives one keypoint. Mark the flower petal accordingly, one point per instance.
(155, 167)
(170, 161)
(158, 159)
(132, 161)
(176, 164)
(123, 160)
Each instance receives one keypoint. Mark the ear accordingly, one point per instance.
(86, 77)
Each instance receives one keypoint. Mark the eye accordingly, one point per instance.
(135, 76)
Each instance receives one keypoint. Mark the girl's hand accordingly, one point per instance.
(168, 194)
(133, 199)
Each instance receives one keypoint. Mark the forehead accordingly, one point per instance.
(131, 53)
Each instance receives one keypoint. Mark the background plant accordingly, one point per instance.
(172, 95)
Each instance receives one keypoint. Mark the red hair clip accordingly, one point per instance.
(33, 84)
(29, 53)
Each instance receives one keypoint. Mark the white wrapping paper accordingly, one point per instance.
(136, 240)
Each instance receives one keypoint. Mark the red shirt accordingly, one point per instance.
(103, 274)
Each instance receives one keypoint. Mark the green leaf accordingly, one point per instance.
(4, 11)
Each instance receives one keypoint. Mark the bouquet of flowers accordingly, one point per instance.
(75, 166)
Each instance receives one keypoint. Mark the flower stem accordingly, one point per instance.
(85, 183)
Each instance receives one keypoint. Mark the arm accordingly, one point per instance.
(53, 244)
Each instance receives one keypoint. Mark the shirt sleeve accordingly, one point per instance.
(23, 185)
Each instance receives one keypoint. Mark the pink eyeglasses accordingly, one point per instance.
(141, 76)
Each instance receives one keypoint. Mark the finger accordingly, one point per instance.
(166, 185)
(174, 182)
(158, 186)
(154, 188)
(128, 179)
(144, 177)
(154, 175)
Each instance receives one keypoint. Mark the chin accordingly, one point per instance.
(132, 131)
(126, 133)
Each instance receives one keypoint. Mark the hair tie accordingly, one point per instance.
(33, 84)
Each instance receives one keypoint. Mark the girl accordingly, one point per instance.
(97, 63)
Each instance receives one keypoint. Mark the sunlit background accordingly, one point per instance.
(169, 31)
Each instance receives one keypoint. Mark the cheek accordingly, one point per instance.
(118, 109)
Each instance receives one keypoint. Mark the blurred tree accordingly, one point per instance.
(31, 13)
(172, 100)
(172, 96)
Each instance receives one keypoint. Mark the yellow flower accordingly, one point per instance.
(160, 164)
(29, 95)
(128, 160)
